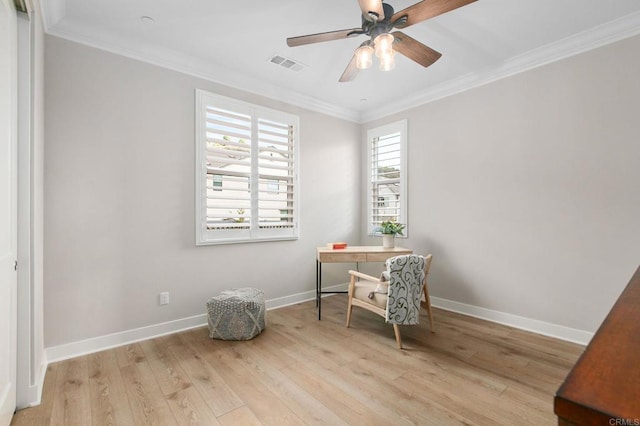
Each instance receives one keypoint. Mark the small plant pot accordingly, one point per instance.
(388, 240)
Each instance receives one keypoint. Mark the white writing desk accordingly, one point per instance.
(352, 254)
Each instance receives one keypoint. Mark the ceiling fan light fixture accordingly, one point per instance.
(378, 19)
(364, 57)
(383, 44)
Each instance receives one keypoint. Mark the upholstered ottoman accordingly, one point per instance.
(237, 314)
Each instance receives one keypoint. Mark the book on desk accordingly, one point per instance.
(337, 246)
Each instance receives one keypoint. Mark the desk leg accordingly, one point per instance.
(319, 288)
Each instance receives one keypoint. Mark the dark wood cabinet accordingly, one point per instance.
(603, 388)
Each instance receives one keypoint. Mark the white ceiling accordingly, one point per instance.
(231, 42)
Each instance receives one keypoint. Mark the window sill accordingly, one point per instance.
(244, 240)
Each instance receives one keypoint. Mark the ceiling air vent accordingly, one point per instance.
(286, 63)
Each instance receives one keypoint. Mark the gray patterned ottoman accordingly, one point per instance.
(237, 314)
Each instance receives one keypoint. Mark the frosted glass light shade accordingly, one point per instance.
(364, 57)
(383, 44)
(388, 61)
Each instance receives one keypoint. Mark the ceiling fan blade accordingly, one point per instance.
(372, 7)
(350, 72)
(320, 37)
(414, 50)
(427, 9)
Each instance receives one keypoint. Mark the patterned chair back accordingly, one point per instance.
(406, 278)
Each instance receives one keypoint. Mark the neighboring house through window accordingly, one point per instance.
(216, 182)
(387, 175)
(246, 172)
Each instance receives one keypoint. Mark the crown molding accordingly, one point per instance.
(601, 35)
(52, 12)
(628, 26)
(209, 71)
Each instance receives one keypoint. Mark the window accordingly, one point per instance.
(246, 172)
(387, 174)
(273, 186)
(216, 182)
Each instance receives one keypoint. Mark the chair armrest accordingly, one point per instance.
(364, 276)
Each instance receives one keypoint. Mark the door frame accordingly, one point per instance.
(8, 245)
(31, 363)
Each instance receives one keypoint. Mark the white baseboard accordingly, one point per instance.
(7, 394)
(528, 324)
(100, 343)
(33, 394)
(281, 302)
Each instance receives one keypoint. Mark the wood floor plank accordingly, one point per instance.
(109, 404)
(514, 370)
(71, 405)
(270, 346)
(434, 367)
(561, 352)
(373, 395)
(300, 402)
(404, 401)
(240, 416)
(369, 390)
(465, 399)
(148, 404)
(304, 371)
(344, 405)
(189, 408)
(166, 369)
(533, 409)
(129, 354)
(264, 404)
(220, 398)
(307, 332)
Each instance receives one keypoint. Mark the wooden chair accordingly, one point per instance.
(396, 295)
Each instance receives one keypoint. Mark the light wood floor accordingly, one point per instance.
(304, 371)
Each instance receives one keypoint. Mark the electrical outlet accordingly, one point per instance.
(164, 298)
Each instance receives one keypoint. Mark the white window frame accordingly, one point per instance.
(205, 236)
(379, 132)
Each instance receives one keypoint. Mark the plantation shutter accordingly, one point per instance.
(228, 165)
(385, 178)
(387, 175)
(276, 185)
(246, 179)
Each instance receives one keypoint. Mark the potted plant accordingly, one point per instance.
(389, 229)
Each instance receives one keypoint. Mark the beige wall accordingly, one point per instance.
(119, 200)
(527, 190)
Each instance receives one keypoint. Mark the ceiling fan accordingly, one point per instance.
(378, 21)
